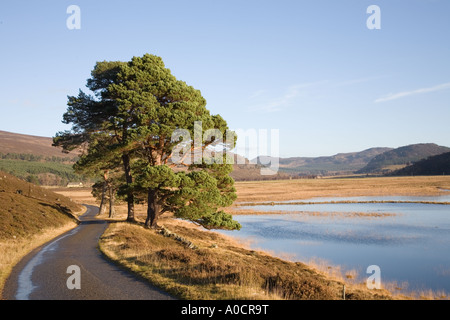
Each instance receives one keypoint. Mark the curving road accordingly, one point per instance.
(43, 274)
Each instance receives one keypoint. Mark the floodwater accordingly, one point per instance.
(410, 242)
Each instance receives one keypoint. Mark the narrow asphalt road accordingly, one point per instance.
(44, 274)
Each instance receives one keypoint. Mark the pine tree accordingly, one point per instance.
(138, 109)
(158, 105)
(100, 115)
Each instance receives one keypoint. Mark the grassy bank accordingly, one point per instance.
(29, 217)
(218, 267)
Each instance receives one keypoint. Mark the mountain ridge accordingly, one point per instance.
(340, 163)
(19, 143)
(434, 165)
(402, 156)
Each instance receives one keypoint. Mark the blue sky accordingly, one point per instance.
(311, 69)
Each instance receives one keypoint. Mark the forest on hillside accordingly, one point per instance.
(40, 170)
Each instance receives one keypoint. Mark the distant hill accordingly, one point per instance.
(252, 172)
(27, 144)
(435, 165)
(400, 157)
(34, 159)
(339, 163)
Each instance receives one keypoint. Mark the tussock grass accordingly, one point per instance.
(357, 278)
(284, 190)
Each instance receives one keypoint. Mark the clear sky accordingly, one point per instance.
(311, 69)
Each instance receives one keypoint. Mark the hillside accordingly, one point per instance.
(390, 160)
(29, 216)
(28, 209)
(342, 162)
(34, 159)
(27, 144)
(435, 165)
(252, 172)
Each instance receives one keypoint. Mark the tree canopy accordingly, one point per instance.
(133, 120)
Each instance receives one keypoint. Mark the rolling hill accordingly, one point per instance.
(27, 144)
(34, 159)
(26, 208)
(400, 157)
(435, 165)
(339, 163)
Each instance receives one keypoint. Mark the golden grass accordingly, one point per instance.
(285, 190)
(219, 268)
(78, 195)
(224, 269)
(29, 217)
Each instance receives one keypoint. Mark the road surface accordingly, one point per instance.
(74, 260)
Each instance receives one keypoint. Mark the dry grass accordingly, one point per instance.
(78, 195)
(219, 268)
(284, 190)
(22, 143)
(29, 217)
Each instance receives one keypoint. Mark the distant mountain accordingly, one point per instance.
(27, 144)
(435, 165)
(400, 157)
(341, 162)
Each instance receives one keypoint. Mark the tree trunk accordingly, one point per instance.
(130, 195)
(112, 198)
(102, 209)
(153, 210)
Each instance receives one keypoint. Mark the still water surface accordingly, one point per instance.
(410, 242)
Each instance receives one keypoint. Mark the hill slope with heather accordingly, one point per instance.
(402, 156)
(341, 162)
(28, 209)
(435, 165)
(27, 144)
(34, 159)
(29, 216)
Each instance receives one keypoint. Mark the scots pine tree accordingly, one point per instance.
(139, 108)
